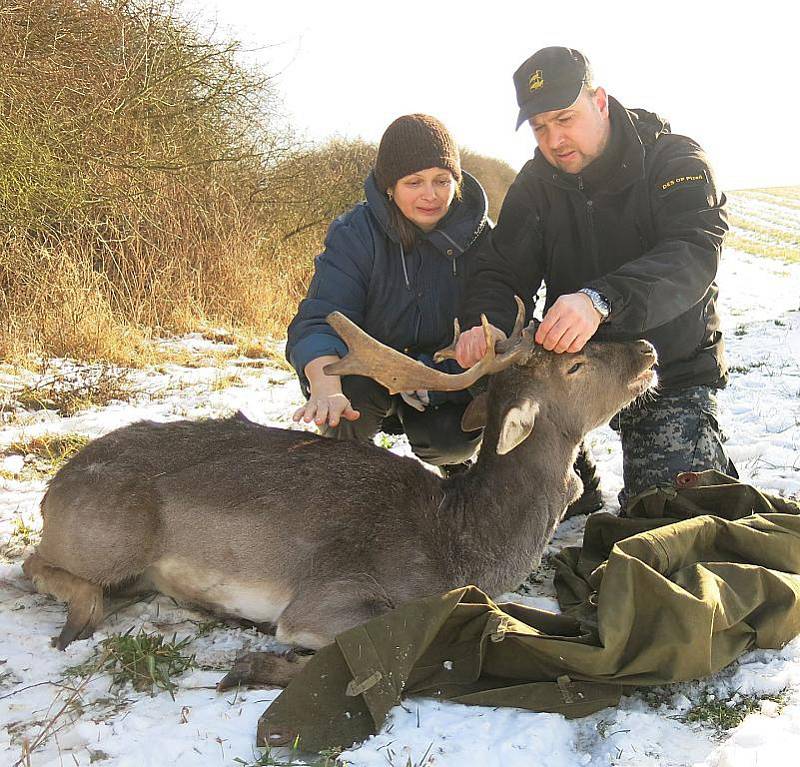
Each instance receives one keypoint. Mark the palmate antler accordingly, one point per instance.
(399, 373)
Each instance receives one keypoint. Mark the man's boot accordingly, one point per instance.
(591, 499)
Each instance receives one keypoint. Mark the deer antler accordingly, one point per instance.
(502, 347)
(398, 373)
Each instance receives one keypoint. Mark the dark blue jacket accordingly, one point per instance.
(406, 300)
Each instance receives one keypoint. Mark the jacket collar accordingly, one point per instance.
(639, 130)
(465, 220)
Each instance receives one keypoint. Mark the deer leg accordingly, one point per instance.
(84, 599)
(320, 611)
(311, 620)
(263, 669)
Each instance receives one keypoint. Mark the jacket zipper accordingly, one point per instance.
(589, 217)
(405, 270)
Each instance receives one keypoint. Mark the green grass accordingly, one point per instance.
(726, 713)
(146, 661)
(781, 251)
(787, 196)
(271, 758)
(386, 441)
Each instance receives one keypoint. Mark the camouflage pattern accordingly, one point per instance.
(673, 432)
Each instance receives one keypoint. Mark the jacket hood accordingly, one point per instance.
(648, 125)
(459, 228)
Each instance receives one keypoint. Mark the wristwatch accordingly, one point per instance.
(599, 302)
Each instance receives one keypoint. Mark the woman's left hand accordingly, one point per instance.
(326, 408)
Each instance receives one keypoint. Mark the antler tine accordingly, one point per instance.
(489, 339)
(449, 352)
(516, 333)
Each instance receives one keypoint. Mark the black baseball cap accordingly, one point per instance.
(550, 79)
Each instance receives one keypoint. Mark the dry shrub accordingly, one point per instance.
(132, 152)
(56, 302)
(68, 391)
(315, 185)
(495, 175)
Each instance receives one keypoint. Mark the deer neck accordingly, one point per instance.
(495, 521)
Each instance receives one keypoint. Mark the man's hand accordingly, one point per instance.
(471, 345)
(569, 323)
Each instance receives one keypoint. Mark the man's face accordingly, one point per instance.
(571, 138)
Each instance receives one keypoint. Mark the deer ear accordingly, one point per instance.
(517, 425)
(474, 416)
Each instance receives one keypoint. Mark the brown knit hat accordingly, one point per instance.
(412, 143)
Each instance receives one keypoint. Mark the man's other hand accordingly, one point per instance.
(569, 323)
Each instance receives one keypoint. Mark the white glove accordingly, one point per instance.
(418, 399)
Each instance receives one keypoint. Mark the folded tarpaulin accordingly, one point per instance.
(691, 578)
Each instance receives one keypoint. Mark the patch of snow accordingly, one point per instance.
(760, 412)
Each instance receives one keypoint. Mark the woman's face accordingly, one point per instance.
(425, 196)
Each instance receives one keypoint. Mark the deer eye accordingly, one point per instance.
(574, 368)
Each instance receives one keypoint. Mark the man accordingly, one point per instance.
(623, 222)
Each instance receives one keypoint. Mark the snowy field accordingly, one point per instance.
(49, 717)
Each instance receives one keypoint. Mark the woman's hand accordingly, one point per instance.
(327, 403)
(330, 408)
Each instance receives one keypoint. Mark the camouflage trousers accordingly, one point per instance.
(676, 431)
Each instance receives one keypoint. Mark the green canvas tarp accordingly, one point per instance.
(694, 576)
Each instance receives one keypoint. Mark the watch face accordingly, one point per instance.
(599, 301)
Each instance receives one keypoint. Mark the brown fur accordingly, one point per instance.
(314, 535)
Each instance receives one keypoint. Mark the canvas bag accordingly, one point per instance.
(694, 576)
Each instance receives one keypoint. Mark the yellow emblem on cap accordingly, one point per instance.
(536, 80)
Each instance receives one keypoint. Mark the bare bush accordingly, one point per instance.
(135, 148)
(495, 175)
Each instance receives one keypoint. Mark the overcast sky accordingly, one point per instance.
(723, 73)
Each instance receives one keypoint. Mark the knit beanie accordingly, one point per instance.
(413, 143)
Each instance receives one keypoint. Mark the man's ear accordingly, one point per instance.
(601, 99)
(517, 425)
(474, 416)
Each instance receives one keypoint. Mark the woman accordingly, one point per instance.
(396, 265)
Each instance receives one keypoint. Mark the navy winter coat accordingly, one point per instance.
(406, 300)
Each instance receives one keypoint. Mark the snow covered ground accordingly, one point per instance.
(107, 725)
